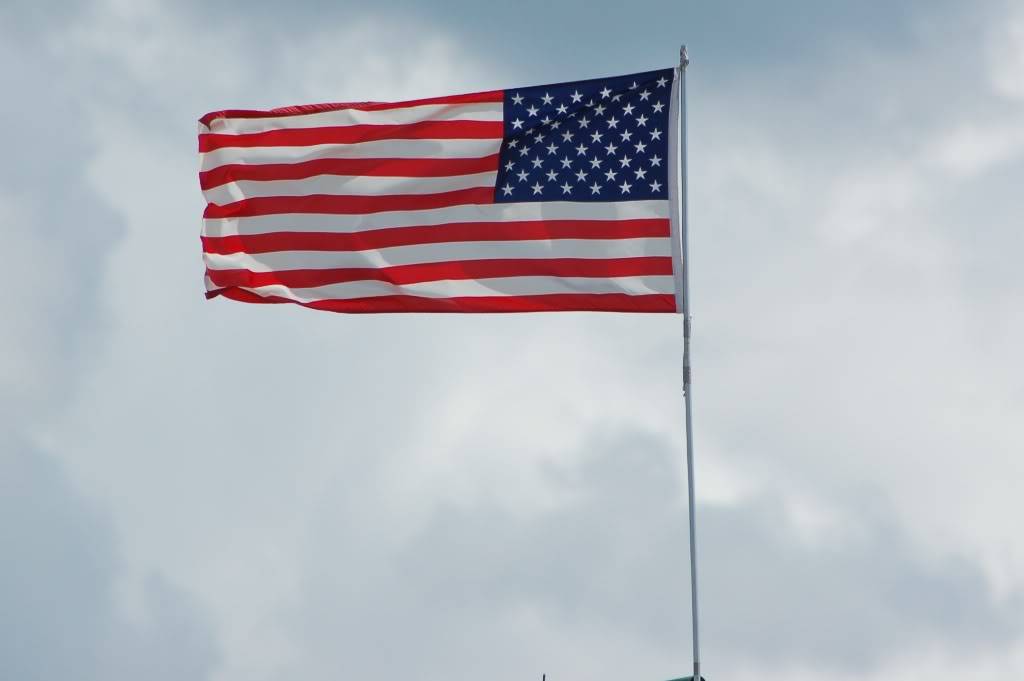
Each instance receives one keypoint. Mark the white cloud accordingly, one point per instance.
(1006, 55)
(974, 149)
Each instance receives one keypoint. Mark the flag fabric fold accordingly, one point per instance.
(557, 197)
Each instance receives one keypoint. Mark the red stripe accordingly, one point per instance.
(472, 98)
(351, 134)
(559, 302)
(376, 167)
(434, 234)
(454, 270)
(330, 204)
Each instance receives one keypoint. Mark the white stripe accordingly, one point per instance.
(502, 286)
(348, 185)
(496, 212)
(442, 252)
(430, 148)
(479, 111)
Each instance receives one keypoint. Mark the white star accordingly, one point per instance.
(616, 98)
(567, 136)
(644, 94)
(655, 186)
(576, 96)
(507, 189)
(551, 149)
(610, 174)
(595, 162)
(595, 188)
(562, 108)
(625, 161)
(626, 135)
(662, 81)
(590, 104)
(655, 134)
(513, 143)
(599, 110)
(658, 106)
(517, 124)
(605, 92)
(633, 86)
(640, 173)
(524, 151)
(547, 99)
(655, 160)
(552, 176)
(581, 150)
(539, 137)
(537, 162)
(532, 110)
(546, 120)
(625, 187)
(537, 188)
(584, 122)
(640, 146)
(566, 162)
(580, 176)
(613, 122)
(642, 121)
(517, 98)
(628, 109)
(611, 148)
(521, 175)
(509, 165)
(566, 188)
(556, 124)
(596, 136)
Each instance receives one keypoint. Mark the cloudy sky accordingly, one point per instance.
(206, 490)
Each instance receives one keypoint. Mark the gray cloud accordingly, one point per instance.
(851, 602)
(61, 617)
(501, 497)
(56, 578)
(612, 560)
(55, 227)
(63, 613)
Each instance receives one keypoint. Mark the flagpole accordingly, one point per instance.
(684, 61)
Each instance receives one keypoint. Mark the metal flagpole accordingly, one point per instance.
(684, 61)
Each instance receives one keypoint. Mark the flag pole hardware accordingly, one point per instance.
(684, 62)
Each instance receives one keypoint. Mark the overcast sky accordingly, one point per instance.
(207, 490)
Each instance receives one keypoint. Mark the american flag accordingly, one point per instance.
(546, 198)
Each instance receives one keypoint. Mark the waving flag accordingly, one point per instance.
(548, 198)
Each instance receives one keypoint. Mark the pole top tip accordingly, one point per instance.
(684, 57)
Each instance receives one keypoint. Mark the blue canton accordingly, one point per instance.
(592, 140)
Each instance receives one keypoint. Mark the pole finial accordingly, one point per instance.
(684, 57)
